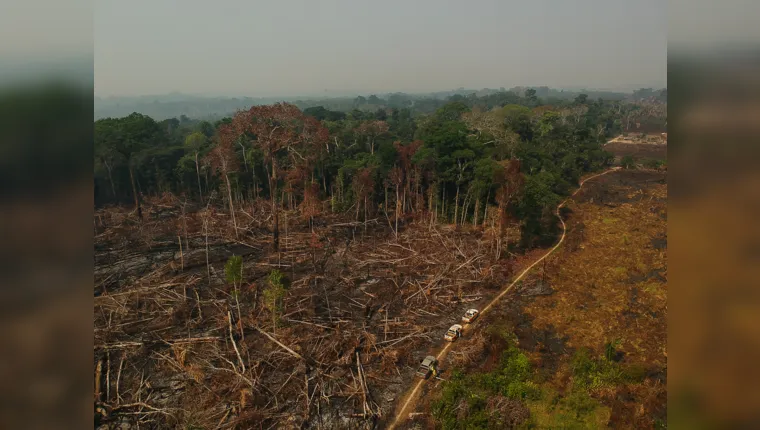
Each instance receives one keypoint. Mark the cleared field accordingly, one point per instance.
(581, 343)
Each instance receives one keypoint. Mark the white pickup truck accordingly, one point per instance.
(470, 316)
(453, 333)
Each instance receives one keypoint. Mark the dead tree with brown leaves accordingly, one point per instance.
(288, 139)
(222, 159)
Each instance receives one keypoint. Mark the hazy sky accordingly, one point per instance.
(291, 47)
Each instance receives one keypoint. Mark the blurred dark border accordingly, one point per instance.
(46, 256)
(714, 249)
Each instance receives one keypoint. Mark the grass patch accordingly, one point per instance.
(578, 410)
(608, 220)
(654, 164)
(591, 373)
(653, 288)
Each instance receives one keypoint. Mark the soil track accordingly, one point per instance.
(649, 148)
(411, 399)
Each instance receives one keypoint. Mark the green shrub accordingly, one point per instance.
(627, 162)
(610, 349)
(589, 373)
(577, 410)
(654, 164)
(277, 279)
(233, 269)
(634, 373)
(511, 379)
(274, 294)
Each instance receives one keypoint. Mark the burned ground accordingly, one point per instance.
(176, 344)
(641, 148)
(639, 151)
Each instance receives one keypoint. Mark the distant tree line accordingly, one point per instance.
(504, 157)
(214, 108)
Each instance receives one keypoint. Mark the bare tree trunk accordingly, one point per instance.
(110, 178)
(477, 208)
(232, 206)
(205, 231)
(485, 213)
(358, 207)
(275, 211)
(134, 191)
(332, 198)
(198, 173)
(181, 254)
(397, 209)
(205, 176)
(255, 181)
(419, 196)
(443, 205)
(430, 200)
(502, 219)
(456, 206)
(465, 205)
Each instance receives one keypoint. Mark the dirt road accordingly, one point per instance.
(411, 399)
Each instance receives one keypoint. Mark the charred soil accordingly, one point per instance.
(180, 343)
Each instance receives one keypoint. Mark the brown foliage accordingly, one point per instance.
(310, 206)
(222, 157)
(290, 141)
(509, 412)
(395, 177)
(283, 126)
(406, 152)
(470, 351)
(364, 182)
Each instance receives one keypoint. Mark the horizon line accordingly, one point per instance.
(356, 93)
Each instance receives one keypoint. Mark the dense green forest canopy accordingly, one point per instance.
(517, 152)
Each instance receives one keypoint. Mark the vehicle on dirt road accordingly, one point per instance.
(454, 332)
(470, 316)
(428, 367)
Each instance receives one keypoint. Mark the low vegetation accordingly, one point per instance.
(513, 395)
(488, 400)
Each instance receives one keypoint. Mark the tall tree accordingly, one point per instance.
(195, 143)
(106, 153)
(371, 130)
(222, 158)
(405, 155)
(510, 182)
(128, 136)
(287, 138)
